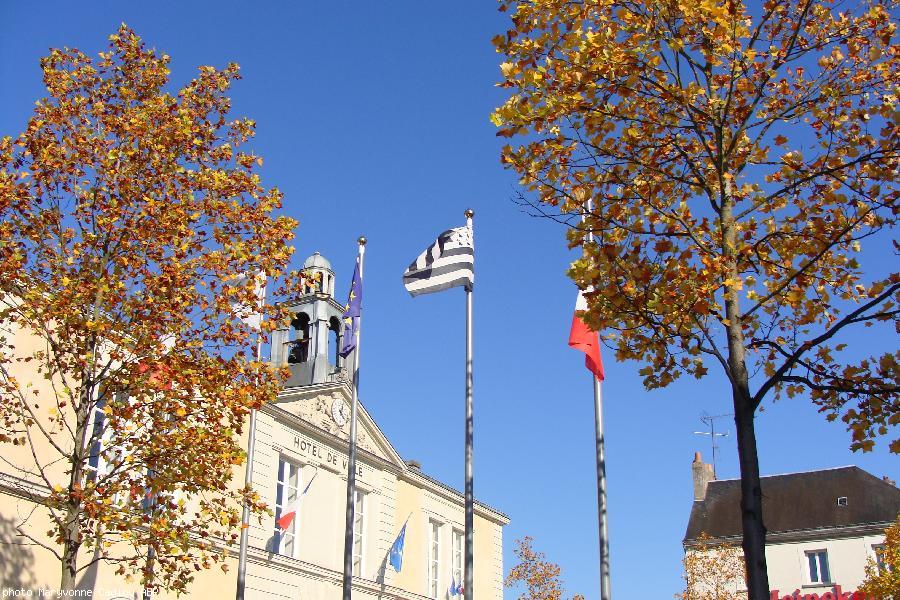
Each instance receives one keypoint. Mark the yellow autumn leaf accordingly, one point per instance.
(795, 296)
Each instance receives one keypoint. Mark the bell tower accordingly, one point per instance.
(309, 346)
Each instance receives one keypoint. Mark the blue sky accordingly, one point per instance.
(373, 119)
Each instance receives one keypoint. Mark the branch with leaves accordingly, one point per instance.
(741, 161)
(883, 575)
(713, 571)
(539, 577)
(132, 221)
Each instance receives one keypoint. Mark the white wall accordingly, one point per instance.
(789, 568)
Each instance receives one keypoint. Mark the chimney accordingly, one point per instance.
(703, 474)
(414, 465)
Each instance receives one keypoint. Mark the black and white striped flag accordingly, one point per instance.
(449, 262)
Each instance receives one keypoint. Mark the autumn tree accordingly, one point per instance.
(732, 161)
(539, 576)
(128, 216)
(883, 576)
(712, 571)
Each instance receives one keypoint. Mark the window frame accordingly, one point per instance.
(878, 553)
(818, 557)
(103, 457)
(359, 517)
(283, 500)
(99, 438)
(433, 564)
(457, 554)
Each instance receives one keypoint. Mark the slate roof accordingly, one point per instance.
(798, 501)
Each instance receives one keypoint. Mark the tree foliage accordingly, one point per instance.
(713, 571)
(127, 215)
(540, 577)
(884, 581)
(732, 153)
(731, 160)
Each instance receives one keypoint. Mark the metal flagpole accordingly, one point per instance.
(468, 589)
(248, 478)
(605, 592)
(351, 454)
(245, 520)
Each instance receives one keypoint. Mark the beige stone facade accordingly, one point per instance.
(300, 430)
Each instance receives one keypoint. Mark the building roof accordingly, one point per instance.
(798, 501)
(317, 261)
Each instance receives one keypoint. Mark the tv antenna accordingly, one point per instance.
(710, 421)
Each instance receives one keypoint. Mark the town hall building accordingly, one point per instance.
(301, 444)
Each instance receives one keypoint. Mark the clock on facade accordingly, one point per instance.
(340, 412)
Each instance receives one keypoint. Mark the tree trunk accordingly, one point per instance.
(71, 531)
(754, 542)
(71, 546)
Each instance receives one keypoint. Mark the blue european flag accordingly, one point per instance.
(351, 314)
(396, 555)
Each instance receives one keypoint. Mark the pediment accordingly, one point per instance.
(326, 407)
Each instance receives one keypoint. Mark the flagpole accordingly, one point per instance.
(248, 478)
(468, 591)
(605, 592)
(351, 454)
(245, 519)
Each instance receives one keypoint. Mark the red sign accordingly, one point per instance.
(836, 594)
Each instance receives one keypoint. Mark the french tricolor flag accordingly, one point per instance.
(288, 517)
(582, 338)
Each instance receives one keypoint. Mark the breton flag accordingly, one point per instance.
(287, 518)
(252, 315)
(583, 339)
(396, 554)
(449, 262)
(352, 311)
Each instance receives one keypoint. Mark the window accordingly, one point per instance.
(359, 513)
(286, 495)
(457, 568)
(818, 566)
(299, 347)
(99, 434)
(104, 459)
(878, 549)
(334, 340)
(434, 557)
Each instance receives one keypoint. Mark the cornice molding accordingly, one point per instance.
(308, 570)
(804, 535)
(403, 473)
